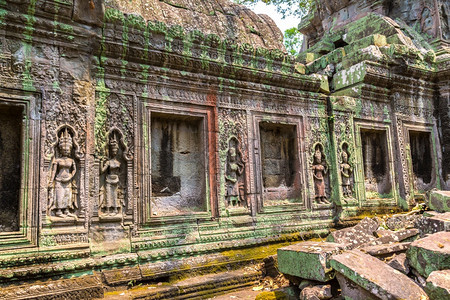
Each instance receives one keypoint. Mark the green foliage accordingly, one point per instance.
(293, 40)
(286, 8)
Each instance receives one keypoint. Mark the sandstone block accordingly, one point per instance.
(389, 237)
(402, 221)
(351, 290)
(384, 249)
(400, 263)
(436, 223)
(430, 254)
(308, 260)
(439, 201)
(438, 285)
(355, 236)
(376, 277)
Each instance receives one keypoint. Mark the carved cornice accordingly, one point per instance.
(130, 39)
(48, 25)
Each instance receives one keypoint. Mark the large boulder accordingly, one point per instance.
(308, 260)
(374, 276)
(430, 254)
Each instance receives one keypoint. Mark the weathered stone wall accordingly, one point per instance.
(146, 143)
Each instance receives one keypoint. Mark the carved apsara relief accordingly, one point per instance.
(63, 182)
(320, 172)
(235, 175)
(233, 139)
(317, 145)
(114, 176)
(346, 170)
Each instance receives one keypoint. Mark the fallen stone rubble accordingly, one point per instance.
(405, 256)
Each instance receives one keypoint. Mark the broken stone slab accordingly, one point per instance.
(355, 236)
(430, 254)
(439, 201)
(308, 260)
(376, 277)
(351, 290)
(385, 249)
(400, 263)
(436, 223)
(402, 221)
(319, 292)
(393, 236)
(438, 285)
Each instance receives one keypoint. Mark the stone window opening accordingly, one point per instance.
(10, 166)
(376, 164)
(421, 158)
(178, 181)
(279, 163)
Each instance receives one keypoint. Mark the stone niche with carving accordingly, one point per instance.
(64, 177)
(375, 157)
(279, 163)
(113, 182)
(178, 165)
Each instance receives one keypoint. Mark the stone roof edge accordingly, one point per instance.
(268, 58)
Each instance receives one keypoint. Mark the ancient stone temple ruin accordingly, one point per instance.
(141, 140)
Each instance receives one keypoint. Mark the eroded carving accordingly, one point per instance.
(234, 176)
(320, 170)
(346, 172)
(63, 187)
(112, 195)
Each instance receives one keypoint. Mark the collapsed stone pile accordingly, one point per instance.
(405, 256)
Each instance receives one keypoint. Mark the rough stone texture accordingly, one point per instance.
(85, 287)
(430, 254)
(436, 223)
(393, 237)
(439, 201)
(375, 276)
(318, 292)
(400, 263)
(122, 276)
(355, 236)
(223, 18)
(384, 249)
(402, 221)
(438, 285)
(351, 290)
(308, 260)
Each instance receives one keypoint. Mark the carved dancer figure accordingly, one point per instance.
(62, 186)
(111, 200)
(234, 170)
(319, 171)
(346, 172)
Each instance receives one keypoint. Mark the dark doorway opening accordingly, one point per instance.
(10, 167)
(420, 143)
